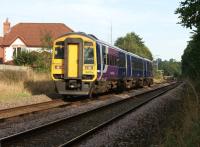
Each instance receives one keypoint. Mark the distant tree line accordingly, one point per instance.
(189, 14)
(133, 43)
(170, 68)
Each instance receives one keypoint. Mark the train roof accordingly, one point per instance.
(109, 45)
(80, 33)
(105, 43)
(124, 51)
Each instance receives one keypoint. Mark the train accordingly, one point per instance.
(84, 65)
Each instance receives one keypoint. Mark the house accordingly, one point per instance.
(27, 36)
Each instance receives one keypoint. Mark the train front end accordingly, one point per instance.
(74, 67)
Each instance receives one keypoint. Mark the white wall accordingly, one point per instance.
(17, 43)
(37, 49)
(8, 54)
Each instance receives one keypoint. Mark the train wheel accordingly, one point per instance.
(68, 98)
(149, 83)
(120, 86)
(90, 94)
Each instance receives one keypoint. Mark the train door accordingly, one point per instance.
(128, 66)
(73, 60)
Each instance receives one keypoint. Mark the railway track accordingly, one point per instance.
(70, 130)
(39, 107)
(28, 109)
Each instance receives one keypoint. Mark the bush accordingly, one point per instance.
(25, 58)
(39, 61)
(43, 62)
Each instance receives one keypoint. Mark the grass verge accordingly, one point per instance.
(184, 126)
(24, 83)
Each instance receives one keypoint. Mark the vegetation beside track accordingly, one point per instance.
(17, 84)
(184, 126)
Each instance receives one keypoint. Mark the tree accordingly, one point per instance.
(133, 43)
(25, 58)
(47, 41)
(191, 58)
(189, 13)
(38, 60)
(43, 61)
(170, 68)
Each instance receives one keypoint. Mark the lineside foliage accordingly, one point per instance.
(39, 61)
(189, 14)
(133, 43)
(170, 68)
(191, 58)
(187, 131)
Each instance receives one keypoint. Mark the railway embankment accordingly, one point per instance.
(183, 128)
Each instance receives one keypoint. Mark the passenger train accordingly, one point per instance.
(85, 65)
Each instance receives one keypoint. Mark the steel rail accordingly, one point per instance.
(31, 108)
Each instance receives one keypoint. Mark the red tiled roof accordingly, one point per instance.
(32, 33)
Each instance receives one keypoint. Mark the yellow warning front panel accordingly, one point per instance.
(72, 60)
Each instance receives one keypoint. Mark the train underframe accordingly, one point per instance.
(75, 87)
(121, 85)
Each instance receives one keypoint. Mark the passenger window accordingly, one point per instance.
(98, 54)
(88, 55)
(104, 55)
(59, 53)
(61, 43)
(104, 59)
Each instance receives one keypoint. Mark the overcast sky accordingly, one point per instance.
(153, 20)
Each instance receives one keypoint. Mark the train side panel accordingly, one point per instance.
(82, 65)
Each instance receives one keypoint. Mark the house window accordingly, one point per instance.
(17, 51)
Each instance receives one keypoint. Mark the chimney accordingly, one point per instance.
(6, 27)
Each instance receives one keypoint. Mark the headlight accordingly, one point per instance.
(88, 67)
(58, 67)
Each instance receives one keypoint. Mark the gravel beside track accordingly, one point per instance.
(22, 101)
(142, 127)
